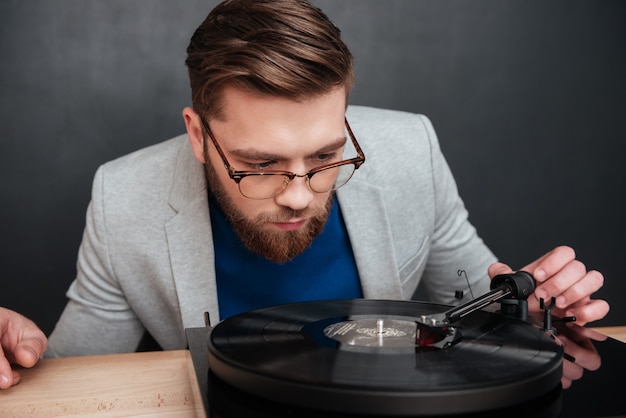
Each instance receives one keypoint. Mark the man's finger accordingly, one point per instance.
(6, 374)
(28, 352)
(551, 263)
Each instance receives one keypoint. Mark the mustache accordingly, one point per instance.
(287, 214)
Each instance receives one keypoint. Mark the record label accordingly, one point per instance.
(373, 333)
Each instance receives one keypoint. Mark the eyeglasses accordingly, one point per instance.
(261, 185)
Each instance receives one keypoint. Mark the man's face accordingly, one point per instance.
(261, 132)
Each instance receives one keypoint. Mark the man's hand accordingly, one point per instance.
(21, 342)
(559, 274)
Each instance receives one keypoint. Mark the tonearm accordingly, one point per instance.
(436, 329)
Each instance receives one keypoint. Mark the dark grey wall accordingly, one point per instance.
(528, 98)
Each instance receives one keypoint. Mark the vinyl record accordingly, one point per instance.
(360, 357)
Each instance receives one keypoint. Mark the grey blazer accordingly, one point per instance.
(146, 261)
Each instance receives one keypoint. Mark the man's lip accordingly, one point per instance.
(290, 225)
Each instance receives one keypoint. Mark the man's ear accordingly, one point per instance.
(194, 131)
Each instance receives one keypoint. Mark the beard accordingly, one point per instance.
(274, 245)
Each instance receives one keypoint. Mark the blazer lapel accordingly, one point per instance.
(190, 242)
(370, 236)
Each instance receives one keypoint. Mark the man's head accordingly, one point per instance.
(269, 81)
(281, 48)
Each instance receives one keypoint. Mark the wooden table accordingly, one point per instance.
(618, 333)
(160, 383)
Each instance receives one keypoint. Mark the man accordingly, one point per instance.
(249, 208)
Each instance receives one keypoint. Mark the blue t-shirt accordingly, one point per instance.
(246, 281)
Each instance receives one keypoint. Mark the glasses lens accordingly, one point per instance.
(263, 186)
(331, 178)
(259, 186)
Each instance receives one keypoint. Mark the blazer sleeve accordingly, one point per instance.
(97, 318)
(457, 252)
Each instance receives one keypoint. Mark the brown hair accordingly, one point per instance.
(285, 48)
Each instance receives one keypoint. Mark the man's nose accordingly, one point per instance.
(298, 195)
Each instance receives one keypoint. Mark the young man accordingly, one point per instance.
(248, 209)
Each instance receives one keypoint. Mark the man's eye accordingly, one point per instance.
(327, 157)
(260, 166)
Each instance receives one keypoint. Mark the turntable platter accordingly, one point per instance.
(360, 357)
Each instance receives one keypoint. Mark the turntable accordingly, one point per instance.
(378, 358)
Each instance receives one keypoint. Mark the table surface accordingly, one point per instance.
(159, 383)
(618, 333)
